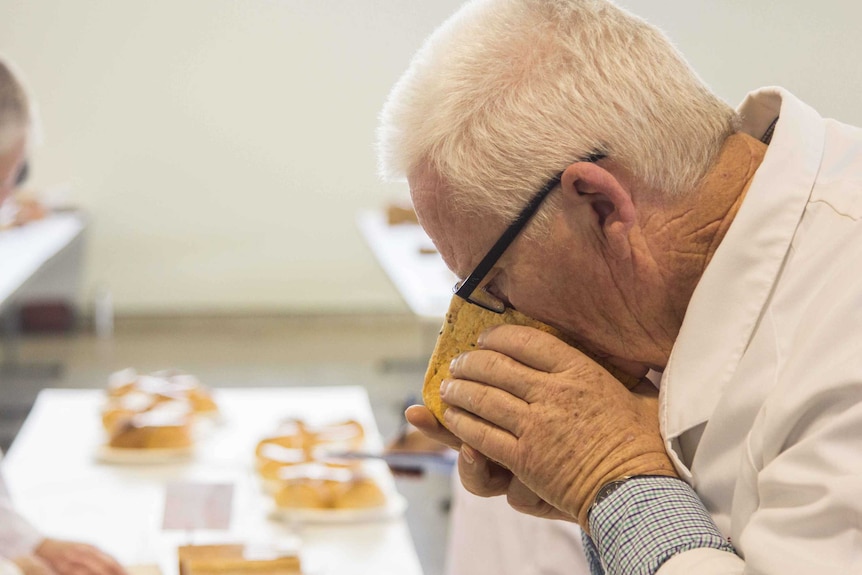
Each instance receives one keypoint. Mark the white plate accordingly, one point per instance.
(394, 507)
(107, 454)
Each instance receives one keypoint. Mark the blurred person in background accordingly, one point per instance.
(23, 549)
(15, 125)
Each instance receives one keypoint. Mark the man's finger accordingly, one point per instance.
(531, 347)
(523, 499)
(95, 562)
(33, 565)
(488, 402)
(422, 419)
(497, 369)
(493, 442)
(481, 476)
(74, 558)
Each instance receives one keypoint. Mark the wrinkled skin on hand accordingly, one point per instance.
(72, 558)
(478, 474)
(558, 422)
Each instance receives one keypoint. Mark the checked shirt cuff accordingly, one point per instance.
(645, 522)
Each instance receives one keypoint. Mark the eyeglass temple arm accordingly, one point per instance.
(469, 285)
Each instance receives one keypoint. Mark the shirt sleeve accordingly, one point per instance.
(17, 536)
(647, 521)
(594, 562)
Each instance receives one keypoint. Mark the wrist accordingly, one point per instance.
(648, 519)
(606, 490)
(610, 487)
(607, 478)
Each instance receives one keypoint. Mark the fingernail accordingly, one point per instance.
(481, 341)
(443, 385)
(454, 363)
(467, 454)
(448, 414)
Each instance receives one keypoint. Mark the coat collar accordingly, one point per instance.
(735, 286)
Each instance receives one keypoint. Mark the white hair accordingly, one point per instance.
(15, 113)
(506, 93)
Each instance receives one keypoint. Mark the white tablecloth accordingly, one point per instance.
(25, 250)
(56, 481)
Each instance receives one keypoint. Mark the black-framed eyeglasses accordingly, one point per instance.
(468, 288)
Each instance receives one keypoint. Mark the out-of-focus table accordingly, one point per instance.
(408, 257)
(41, 259)
(26, 251)
(56, 481)
(415, 268)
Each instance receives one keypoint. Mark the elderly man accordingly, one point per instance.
(718, 251)
(22, 547)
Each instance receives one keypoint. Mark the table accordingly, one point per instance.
(41, 259)
(422, 279)
(27, 250)
(56, 482)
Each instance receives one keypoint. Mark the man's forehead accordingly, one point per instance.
(425, 190)
(453, 232)
(432, 208)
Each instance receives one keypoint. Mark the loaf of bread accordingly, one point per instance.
(329, 489)
(297, 434)
(165, 385)
(271, 458)
(165, 427)
(347, 434)
(359, 493)
(300, 466)
(461, 329)
(120, 408)
(236, 559)
(307, 493)
(131, 435)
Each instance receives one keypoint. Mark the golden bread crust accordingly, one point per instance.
(461, 329)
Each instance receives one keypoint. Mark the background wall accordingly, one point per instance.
(810, 48)
(223, 147)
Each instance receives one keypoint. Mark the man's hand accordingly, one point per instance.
(560, 422)
(32, 565)
(483, 477)
(479, 475)
(71, 558)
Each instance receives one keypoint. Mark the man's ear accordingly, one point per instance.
(611, 203)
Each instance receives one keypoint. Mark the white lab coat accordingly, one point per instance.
(487, 536)
(761, 401)
(17, 536)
